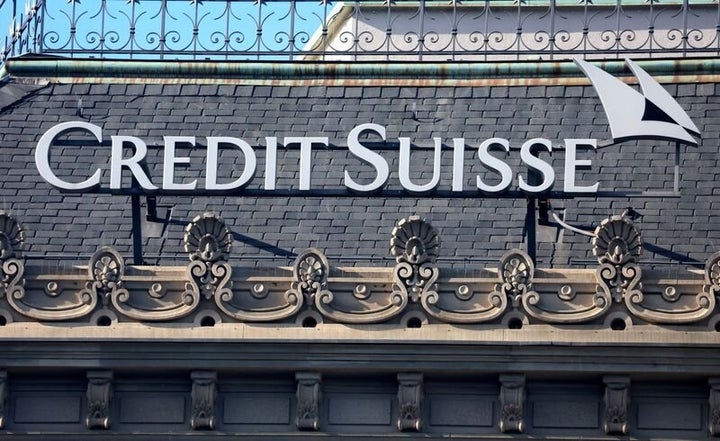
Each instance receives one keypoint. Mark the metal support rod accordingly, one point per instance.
(530, 233)
(676, 182)
(136, 230)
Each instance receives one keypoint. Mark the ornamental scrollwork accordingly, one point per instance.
(617, 244)
(678, 302)
(12, 267)
(208, 242)
(516, 271)
(415, 243)
(166, 298)
(107, 268)
(256, 301)
(61, 300)
(712, 275)
(545, 300)
(348, 302)
(477, 301)
(310, 273)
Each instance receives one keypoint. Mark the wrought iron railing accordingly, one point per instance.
(361, 30)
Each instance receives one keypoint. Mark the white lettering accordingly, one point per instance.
(213, 144)
(572, 163)
(170, 161)
(306, 156)
(405, 168)
(365, 154)
(270, 162)
(458, 164)
(117, 162)
(492, 163)
(535, 163)
(42, 155)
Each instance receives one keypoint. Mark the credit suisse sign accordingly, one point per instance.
(654, 114)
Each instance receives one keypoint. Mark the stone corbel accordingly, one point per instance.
(410, 401)
(99, 394)
(616, 401)
(203, 395)
(308, 400)
(714, 408)
(512, 403)
(3, 396)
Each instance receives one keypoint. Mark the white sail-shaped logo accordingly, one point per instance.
(652, 114)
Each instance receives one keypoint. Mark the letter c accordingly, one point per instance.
(42, 155)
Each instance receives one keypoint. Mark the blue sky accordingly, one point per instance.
(114, 22)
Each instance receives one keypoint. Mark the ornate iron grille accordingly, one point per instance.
(362, 30)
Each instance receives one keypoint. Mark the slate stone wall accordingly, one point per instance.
(475, 231)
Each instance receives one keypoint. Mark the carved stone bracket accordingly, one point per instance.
(203, 394)
(617, 244)
(714, 408)
(308, 400)
(99, 394)
(512, 403)
(616, 401)
(410, 401)
(3, 396)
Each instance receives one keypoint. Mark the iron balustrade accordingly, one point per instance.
(423, 30)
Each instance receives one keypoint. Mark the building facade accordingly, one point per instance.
(339, 246)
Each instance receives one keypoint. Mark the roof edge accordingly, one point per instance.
(351, 73)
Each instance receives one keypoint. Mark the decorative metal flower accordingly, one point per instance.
(617, 241)
(12, 237)
(414, 240)
(207, 238)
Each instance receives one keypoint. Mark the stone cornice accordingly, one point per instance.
(416, 293)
